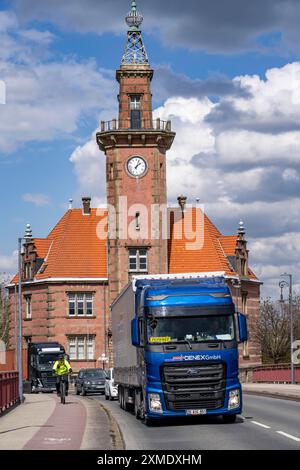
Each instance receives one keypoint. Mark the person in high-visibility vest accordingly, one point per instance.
(62, 367)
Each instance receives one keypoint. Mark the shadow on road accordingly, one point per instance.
(209, 420)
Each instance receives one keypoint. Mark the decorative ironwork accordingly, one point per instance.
(134, 18)
(135, 52)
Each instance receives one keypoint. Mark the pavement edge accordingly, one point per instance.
(271, 395)
(117, 437)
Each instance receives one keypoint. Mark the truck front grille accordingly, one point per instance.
(48, 381)
(194, 386)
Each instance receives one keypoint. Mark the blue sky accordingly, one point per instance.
(58, 61)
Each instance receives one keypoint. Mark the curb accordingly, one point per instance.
(117, 437)
(271, 395)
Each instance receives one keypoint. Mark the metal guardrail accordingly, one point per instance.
(135, 125)
(9, 390)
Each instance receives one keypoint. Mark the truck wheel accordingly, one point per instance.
(121, 398)
(147, 421)
(229, 419)
(33, 388)
(137, 413)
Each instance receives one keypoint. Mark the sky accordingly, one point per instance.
(227, 73)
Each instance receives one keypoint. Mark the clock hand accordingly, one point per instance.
(137, 165)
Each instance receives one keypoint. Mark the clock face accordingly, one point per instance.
(136, 166)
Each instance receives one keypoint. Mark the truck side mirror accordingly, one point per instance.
(135, 332)
(243, 333)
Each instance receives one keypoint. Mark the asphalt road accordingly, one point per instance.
(266, 424)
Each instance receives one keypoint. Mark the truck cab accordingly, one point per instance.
(41, 359)
(186, 334)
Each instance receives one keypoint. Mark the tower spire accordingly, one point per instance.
(135, 51)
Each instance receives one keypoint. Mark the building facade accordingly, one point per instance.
(70, 278)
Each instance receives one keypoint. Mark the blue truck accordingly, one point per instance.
(176, 347)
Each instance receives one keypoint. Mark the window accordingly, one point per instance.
(135, 111)
(138, 259)
(135, 102)
(245, 349)
(137, 221)
(81, 304)
(243, 267)
(28, 306)
(244, 302)
(27, 270)
(81, 348)
(111, 171)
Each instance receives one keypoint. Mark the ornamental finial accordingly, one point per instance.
(134, 19)
(241, 229)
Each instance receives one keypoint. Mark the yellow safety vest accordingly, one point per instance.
(61, 368)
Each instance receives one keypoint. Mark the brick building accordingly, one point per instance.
(70, 278)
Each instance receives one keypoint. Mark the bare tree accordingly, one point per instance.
(4, 313)
(272, 332)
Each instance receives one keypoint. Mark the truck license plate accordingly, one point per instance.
(196, 412)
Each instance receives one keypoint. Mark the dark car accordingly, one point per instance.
(90, 381)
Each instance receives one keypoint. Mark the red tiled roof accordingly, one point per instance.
(228, 243)
(207, 257)
(74, 250)
(42, 246)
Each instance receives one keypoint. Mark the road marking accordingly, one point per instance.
(261, 424)
(55, 439)
(289, 436)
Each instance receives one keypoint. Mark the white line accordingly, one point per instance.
(261, 424)
(289, 436)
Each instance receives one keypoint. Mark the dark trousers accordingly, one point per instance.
(66, 377)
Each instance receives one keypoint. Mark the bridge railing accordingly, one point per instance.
(9, 390)
(276, 373)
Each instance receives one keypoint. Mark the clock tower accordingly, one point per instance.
(135, 148)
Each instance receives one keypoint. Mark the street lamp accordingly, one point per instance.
(26, 238)
(104, 359)
(289, 284)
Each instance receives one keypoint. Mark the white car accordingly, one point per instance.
(111, 390)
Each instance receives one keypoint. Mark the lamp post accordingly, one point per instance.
(289, 284)
(104, 359)
(27, 237)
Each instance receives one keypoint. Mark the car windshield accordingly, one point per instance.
(191, 329)
(45, 359)
(94, 374)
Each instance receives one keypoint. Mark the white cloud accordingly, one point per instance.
(290, 174)
(8, 264)
(90, 170)
(45, 99)
(37, 199)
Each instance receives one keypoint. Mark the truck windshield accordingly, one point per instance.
(47, 358)
(190, 329)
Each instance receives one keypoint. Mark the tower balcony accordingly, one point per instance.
(135, 133)
(136, 125)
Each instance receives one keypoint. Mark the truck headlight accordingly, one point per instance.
(234, 399)
(155, 403)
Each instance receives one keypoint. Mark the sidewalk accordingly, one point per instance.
(286, 391)
(43, 423)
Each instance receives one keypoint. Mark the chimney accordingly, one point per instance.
(182, 202)
(86, 203)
